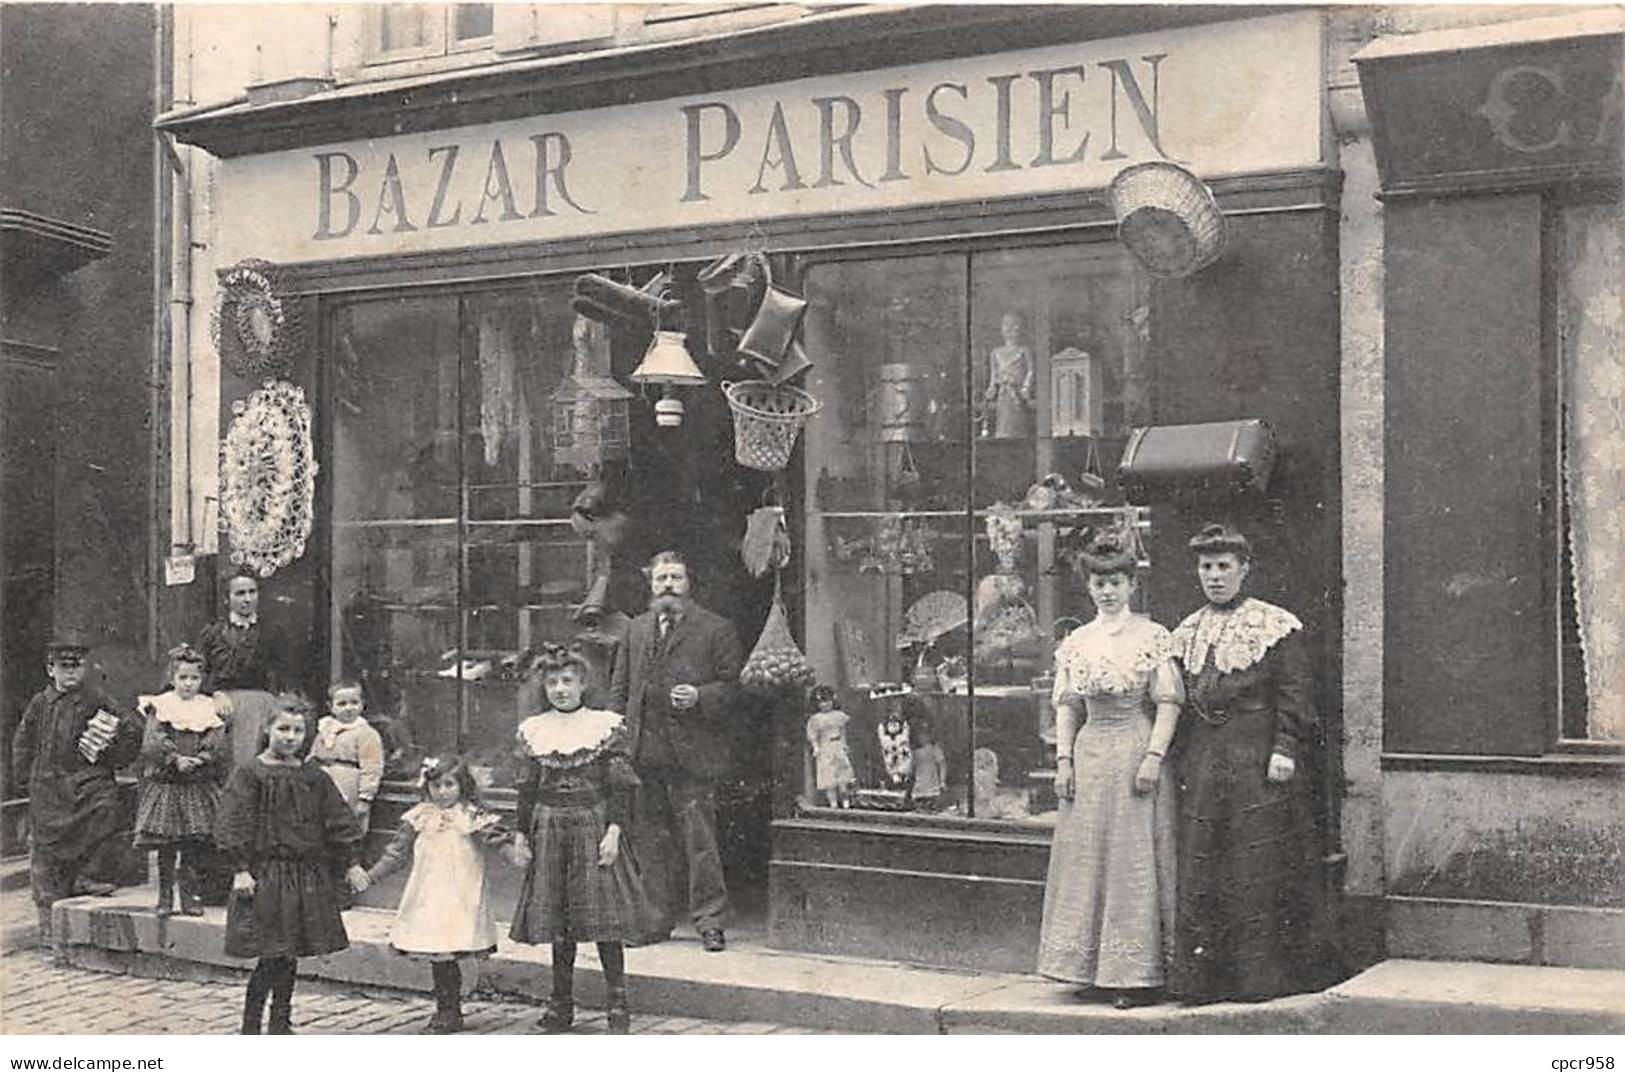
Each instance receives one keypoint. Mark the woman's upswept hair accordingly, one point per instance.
(1216, 539)
(820, 693)
(551, 658)
(450, 764)
(1109, 551)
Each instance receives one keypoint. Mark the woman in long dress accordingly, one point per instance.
(1109, 899)
(1249, 854)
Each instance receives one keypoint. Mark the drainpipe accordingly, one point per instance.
(158, 374)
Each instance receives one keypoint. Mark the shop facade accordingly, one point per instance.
(941, 206)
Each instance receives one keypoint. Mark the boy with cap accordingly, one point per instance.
(71, 739)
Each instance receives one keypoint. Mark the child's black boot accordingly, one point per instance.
(166, 883)
(612, 955)
(187, 879)
(561, 1006)
(448, 998)
(259, 988)
(281, 1022)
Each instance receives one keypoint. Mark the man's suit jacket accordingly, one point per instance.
(703, 651)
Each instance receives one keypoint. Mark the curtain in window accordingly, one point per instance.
(1593, 355)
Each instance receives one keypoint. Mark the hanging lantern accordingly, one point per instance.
(590, 420)
(668, 363)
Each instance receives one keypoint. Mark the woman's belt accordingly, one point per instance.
(569, 798)
(356, 763)
(1219, 714)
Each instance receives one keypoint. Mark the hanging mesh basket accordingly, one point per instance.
(1167, 218)
(767, 420)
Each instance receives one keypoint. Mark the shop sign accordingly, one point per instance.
(1496, 116)
(1230, 98)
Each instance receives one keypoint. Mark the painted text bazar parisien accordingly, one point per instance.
(1230, 98)
(815, 142)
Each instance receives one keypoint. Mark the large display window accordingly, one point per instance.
(974, 403)
(452, 551)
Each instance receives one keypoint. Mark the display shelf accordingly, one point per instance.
(397, 523)
(410, 608)
(1142, 519)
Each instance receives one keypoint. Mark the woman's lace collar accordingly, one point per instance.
(197, 715)
(1238, 636)
(568, 740)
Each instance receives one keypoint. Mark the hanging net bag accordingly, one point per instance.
(767, 420)
(776, 662)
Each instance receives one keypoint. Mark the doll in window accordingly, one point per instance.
(826, 734)
(1008, 400)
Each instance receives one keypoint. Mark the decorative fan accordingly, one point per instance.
(933, 615)
(256, 330)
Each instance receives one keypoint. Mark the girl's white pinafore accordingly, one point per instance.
(446, 908)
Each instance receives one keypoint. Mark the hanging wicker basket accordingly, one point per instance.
(1167, 218)
(767, 420)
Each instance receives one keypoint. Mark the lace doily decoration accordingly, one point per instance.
(1238, 637)
(268, 478)
(256, 331)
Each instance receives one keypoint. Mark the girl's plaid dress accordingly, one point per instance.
(575, 780)
(177, 806)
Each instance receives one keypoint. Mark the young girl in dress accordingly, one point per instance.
(445, 912)
(288, 832)
(183, 755)
(826, 733)
(575, 791)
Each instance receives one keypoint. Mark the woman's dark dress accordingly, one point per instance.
(1248, 849)
(288, 827)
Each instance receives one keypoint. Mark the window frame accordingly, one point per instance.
(440, 44)
(1089, 238)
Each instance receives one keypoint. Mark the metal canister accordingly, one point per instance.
(902, 403)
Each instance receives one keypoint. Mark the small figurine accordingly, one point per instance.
(826, 733)
(895, 750)
(1009, 395)
(930, 770)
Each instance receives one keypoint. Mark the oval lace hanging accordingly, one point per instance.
(268, 478)
(257, 330)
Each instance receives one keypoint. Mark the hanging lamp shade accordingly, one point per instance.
(667, 362)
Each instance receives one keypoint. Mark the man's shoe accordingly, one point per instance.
(713, 941)
(89, 887)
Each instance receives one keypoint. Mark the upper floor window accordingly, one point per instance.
(414, 31)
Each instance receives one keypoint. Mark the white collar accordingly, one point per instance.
(242, 623)
(197, 715)
(554, 735)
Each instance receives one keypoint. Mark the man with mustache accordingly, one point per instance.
(676, 680)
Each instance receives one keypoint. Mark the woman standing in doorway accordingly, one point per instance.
(240, 662)
(1248, 850)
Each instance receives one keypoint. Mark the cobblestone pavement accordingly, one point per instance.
(37, 997)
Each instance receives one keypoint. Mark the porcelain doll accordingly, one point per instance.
(895, 750)
(826, 734)
(1009, 394)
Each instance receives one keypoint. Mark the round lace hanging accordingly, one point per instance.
(268, 478)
